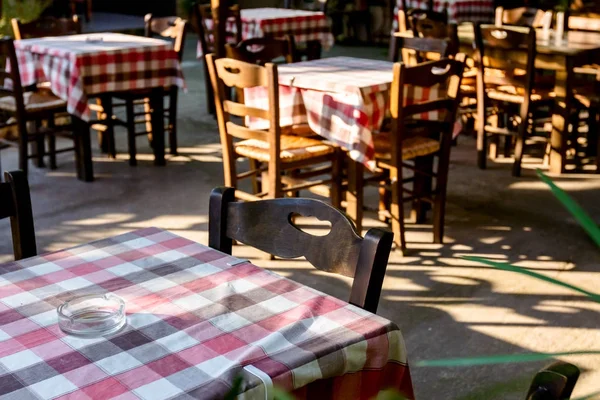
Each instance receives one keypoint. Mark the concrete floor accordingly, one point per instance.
(445, 306)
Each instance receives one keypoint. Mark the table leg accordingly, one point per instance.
(158, 126)
(354, 196)
(560, 118)
(83, 149)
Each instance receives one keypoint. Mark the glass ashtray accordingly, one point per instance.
(92, 315)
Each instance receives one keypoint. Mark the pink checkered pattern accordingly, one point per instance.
(458, 10)
(197, 319)
(343, 99)
(305, 26)
(80, 66)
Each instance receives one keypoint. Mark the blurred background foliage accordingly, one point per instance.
(25, 10)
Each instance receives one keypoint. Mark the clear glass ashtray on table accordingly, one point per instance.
(92, 315)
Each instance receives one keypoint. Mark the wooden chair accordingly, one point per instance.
(272, 154)
(263, 50)
(202, 14)
(420, 141)
(25, 109)
(555, 382)
(46, 26)
(15, 202)
(173, 28)
(506, 88)
(341, 251)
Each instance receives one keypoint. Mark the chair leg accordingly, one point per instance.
(397, 209)
(23, 149)
(52, 144)
(52, 151)
(519, 148)
(256, 184)
(130, 118)
(481, 146)
(336, 179)
(385, 201)
(173, 120)
(421, 187)
(439, 200)
(38, 148)
(109, 134)
(148, 118)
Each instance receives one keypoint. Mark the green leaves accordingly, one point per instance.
(513, 268)
(584, 219)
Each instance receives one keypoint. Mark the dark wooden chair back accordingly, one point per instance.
(442, 76)
(415, 50)
(268, 226)
(46, 26)
(10, 78)
(227, 74)
(508, 55)
(173, 28)
(263, 50)
(427, 23)
(15, 202)
(555, 382)
(203, 21)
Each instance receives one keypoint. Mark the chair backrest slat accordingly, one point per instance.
(241, 132)
(15, 202)
(10, 78)
(242, 110)
(173, 28)
(46, 26)
(268, 225)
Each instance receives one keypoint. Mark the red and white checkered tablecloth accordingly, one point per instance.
(80, 66)
(197, 318)
(343, 99)
(305, 26)
(458, 10)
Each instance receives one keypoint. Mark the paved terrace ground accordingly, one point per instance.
(445, 306)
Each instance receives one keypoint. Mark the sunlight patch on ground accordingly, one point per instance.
(102, 219)
(170, 222)
(571, 185)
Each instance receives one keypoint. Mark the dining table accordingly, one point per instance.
(305, 26)
(562, 56)
(80, 67)
(198, 320)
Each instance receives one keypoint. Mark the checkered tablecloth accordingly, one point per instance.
(305, 26)
(80, 66)
(343, 99)
(197, 318)
(458, 10)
